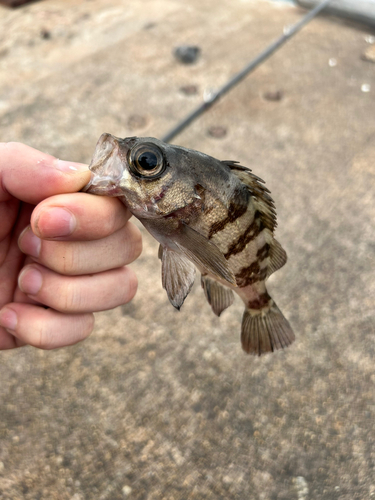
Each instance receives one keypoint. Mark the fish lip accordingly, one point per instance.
(106, 167)
(88, 186)
(102, 186)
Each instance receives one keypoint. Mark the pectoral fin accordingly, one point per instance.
(204, 254)
(218, 296)
(178, 275)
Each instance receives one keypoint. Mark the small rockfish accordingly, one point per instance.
(208, 214)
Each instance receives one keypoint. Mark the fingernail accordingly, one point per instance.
(29, 243)
(30, 280)
(55, 222)
(8, 318)
(69, 166)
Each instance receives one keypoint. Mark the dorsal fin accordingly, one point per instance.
(266, 206)
(262, 200)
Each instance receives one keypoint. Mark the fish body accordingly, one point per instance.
(213, 215)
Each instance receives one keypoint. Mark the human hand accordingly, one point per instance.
(62, 252)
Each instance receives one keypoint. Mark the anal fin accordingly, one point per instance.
(264, 332)
(178, 275)
(218, 296)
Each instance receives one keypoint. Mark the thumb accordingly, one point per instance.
(31, 176)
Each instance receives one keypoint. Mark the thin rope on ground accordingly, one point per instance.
(289, 32)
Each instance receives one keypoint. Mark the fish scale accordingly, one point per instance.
(216, 216)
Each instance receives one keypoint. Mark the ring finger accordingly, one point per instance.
(78, 294)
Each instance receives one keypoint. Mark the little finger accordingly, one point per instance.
(42, 328)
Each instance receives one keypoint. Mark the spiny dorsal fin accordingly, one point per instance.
(262, 200)
(265, 205)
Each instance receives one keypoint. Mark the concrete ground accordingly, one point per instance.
(158, 404)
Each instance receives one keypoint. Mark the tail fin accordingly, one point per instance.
(265, 331)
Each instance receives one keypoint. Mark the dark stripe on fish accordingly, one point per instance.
(249, 234)
(263, 252)
(260, 302)
(235, 210)
(251, 274)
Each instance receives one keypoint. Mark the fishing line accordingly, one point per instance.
(289, 32)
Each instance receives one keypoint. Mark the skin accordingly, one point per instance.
(63, 253)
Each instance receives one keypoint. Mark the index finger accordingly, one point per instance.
(31, 176)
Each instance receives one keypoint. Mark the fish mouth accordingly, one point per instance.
(107, 167)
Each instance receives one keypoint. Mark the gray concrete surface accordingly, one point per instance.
(158, 404)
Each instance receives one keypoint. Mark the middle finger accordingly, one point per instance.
(78, 216)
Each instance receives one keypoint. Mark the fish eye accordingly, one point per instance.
(147, 160)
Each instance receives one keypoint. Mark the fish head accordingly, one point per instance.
(152, 178)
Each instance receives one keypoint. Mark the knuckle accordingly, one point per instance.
(69, 297)
(107, 227)
(137, 243)
(114, 216)
(88, 326)
(69, 261)
(60, 257)
(43, 337)
(73, 329)
(132, 240)
(131, 285)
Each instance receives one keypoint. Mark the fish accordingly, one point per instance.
(209, 215)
